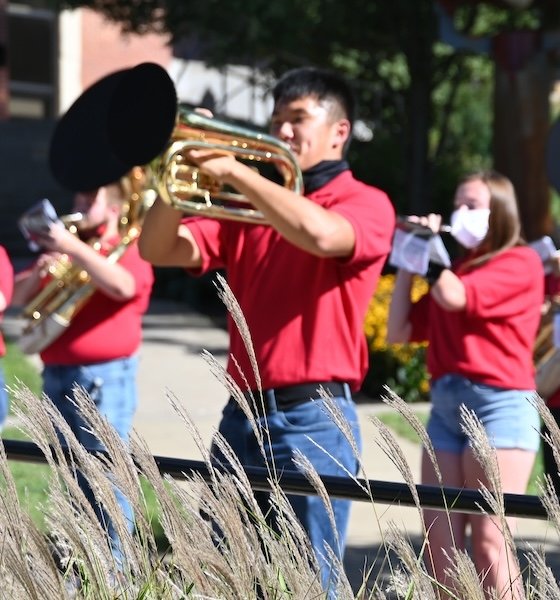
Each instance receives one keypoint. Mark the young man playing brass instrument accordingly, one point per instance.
(303, 282)
(99, 349)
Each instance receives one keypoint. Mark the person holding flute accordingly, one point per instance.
(480, 319)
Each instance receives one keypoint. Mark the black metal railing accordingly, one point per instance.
(364, 490)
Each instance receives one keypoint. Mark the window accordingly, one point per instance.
(31, 61)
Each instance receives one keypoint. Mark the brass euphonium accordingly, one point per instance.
(131, 117)
(185, 187)
(69, 287)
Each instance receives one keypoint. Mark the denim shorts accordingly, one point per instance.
(508, 416)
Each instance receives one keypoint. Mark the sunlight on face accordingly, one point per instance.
(306, 125)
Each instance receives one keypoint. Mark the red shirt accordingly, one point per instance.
(305, 314)
(106, 329)
(492, 340)
(552, 288)
(6, 287)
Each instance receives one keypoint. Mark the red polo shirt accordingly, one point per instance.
(106, 329)
(6, 287)
(305, 314)
(492, 340)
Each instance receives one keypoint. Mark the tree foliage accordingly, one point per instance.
(429, 105)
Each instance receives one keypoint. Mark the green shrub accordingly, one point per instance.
(20, 368)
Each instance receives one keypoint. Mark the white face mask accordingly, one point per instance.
(469, 227)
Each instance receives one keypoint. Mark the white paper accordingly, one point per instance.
(410, 252)
(37, 220)
(438, 251)
(546, 250)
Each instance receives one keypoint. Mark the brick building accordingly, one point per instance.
(47, 59)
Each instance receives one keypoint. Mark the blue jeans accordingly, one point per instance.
(289, 431)
(4, 399)
(112, 387)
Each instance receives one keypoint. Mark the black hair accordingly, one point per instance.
(320, 83)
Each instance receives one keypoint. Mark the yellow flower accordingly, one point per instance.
(375, 326)
(400, 365)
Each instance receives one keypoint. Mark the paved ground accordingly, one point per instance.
(171, 363)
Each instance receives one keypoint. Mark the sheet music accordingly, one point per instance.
(37, 220)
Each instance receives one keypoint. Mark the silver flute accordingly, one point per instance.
(415, 227)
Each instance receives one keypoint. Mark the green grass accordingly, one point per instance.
(32, 479)
(402, 428)
(19, 368)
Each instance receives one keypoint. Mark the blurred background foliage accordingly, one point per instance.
(428, 107)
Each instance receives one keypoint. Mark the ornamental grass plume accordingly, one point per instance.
(219, 541)
(544, 584)
(247, 560)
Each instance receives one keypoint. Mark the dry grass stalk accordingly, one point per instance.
(418, 582)
(550, 500)
(397, 403)
(493, 495)
(545, 585)
(393, 451)
(233, 308)
(259, 428)
(336, 415)
(303, 464)
(405, 410)
(464, 576)
(20, 543)
(486, 457)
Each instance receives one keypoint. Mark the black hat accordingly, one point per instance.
(123, 120)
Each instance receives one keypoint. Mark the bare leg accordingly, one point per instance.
(491, 555)
(446, 530)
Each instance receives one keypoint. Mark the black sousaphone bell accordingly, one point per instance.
(121, 121)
